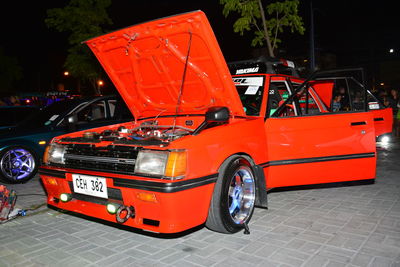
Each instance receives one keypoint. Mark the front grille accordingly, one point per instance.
(118, 159)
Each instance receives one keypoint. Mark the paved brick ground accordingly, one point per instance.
(337, 226)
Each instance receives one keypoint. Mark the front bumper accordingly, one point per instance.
(178, 206)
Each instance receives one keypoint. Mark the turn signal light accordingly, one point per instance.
(147, 197)
(65, 197)
(176, 165)
(51, 181)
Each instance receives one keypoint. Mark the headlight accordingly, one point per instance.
(170, 164)
(54, 154)
(385, 139)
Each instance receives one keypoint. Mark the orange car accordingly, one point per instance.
(203, 148)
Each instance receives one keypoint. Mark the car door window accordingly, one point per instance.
(278, 93)
(91, 113)
(111, 104)
(250, 90)
(119, 110)
(348, 95)
(307, 99)
(304, 102)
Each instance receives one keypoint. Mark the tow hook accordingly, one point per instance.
(124, 213)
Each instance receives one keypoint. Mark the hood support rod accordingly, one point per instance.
(183, 82)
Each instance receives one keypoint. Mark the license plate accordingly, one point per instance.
(373, 105)
(90, 185)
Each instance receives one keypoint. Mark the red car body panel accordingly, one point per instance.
(146, 63)
(292, 142)
(324, 89)
(383, 121)
(295, 150)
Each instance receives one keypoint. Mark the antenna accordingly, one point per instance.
(183, 82)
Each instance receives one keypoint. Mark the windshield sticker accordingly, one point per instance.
(252, 90)
(248, 81)
(53, 117)
(248, 70)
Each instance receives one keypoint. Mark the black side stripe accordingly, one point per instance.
(54, 173)
(378, 119)
(356, 123)
(165, 187)
(317, 159)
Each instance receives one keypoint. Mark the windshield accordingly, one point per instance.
(47, 115)
(250, 89)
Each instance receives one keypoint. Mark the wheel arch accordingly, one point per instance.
(261, 190)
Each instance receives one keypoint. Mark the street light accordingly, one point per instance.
(100, 84)
(66, 73)
(391, 50)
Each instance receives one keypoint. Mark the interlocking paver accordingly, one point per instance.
(381, 262)
(334, 226)
(361, 259)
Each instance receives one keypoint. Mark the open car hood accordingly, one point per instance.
(146, 63)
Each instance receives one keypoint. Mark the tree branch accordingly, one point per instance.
(270, 51)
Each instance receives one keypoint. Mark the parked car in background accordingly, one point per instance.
(22, 147)
(10, 116)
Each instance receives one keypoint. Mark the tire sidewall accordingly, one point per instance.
(227, 174)
(24, 180)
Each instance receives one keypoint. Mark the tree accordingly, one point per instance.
(82, 19)
(281, 14)
(10, 71)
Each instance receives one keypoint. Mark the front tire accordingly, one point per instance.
(17, 164)
(233, 200)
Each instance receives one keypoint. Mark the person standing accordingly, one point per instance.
(394, 103)
(344, 99)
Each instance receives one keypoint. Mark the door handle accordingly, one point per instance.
(355, 123)
(379, 119)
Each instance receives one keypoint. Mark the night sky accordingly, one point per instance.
(352, 30)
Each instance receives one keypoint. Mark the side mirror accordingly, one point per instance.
(213, 115)
(70, 121)
(217, 114)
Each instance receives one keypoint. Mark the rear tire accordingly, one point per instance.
(234, 196)
(17, 164)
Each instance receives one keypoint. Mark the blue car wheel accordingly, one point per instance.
(17, 164)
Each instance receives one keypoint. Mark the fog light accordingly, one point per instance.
(64, 197)
(112, 208)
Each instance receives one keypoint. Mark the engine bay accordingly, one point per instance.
(147, 133)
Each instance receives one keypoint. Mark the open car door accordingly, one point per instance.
(348, 85)
(308, 144)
